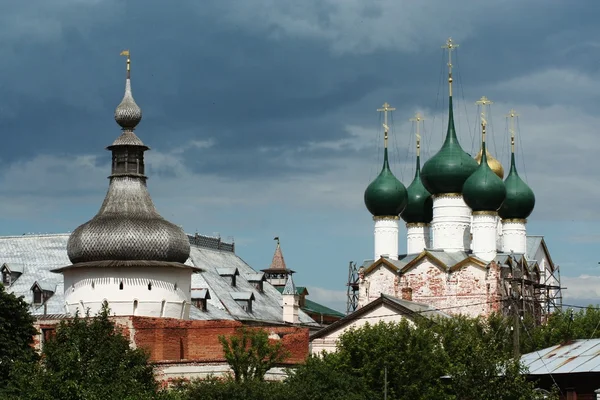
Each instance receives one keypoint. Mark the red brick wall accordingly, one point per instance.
(170, 339)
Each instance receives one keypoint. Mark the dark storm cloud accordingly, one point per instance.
(198, 76)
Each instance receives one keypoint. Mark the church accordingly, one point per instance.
(467, 247)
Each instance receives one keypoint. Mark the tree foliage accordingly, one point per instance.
(88, 358)
(16, 335)
(250, 353)
(562, 326)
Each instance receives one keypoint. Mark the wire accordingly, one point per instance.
(435, 107)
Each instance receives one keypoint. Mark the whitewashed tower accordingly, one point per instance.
(484, 193)
(418, 212)
(385, 198)
(128, 256)
(290, 301)
(518, 205)
(443, 176)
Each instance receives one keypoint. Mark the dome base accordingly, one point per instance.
(450, 227)
(386, 237)
(514, 236)
(417, 237)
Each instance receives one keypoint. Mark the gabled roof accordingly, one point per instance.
(402, 307)
(392, 265)
(442, 259)
(46, 286)
(256, 277)
(200, 294)
(533, 244)
(227, 271)
(247, 296)
(14, 267)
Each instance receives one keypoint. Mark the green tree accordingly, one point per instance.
(16, 335)
(561, 327)
(88, 358)
(250, 353)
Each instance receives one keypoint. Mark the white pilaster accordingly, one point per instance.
(451, 222)
(417, 237)
(484, 230)
(514, 236)
(499, 239)
(386, 237)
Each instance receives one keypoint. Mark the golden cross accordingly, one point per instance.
(417, 119)
(483, 101)
(385, 108)
(450, 45)
(512, 114)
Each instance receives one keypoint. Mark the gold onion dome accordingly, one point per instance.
(494, 164)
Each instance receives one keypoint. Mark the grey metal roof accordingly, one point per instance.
(47, 286)
(532, 246)
(575, 357)
(423, 309)
(41, 253)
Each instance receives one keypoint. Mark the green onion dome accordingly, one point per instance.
(520, 199)
(447, 171)
(419, 207)
(386, 195)
(484, 190)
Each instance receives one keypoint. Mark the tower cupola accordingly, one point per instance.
(386, 195)
(484, 190)
(520, 200)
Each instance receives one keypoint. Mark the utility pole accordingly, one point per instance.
(516, 320)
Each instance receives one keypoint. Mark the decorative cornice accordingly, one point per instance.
(437, 196)
(383, 217)
(514, 221)
(417, 225)
(494, 213)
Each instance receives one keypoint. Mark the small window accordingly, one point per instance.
(93, 285)
(175, 287)
(6, 281)
(121, 285)
(135, 306)
(233, 283)
(150, 286)
(37, 295)
(162, 308)
(200, 304)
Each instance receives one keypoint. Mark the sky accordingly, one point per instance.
(261, 116)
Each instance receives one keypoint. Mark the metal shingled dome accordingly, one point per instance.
(128, 227)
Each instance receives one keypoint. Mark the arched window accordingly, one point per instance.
(135, 306)
(175, 287)
(121, 285)
(93, 285)
(162, 308)
(149, 285)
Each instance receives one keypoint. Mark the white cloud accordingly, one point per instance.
(580, 287)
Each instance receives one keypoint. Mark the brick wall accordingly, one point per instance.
(171, 340)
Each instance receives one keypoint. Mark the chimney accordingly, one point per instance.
(407, 293)
(290, 302)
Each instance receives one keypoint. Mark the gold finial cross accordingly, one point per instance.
(385, 108)
(512, 114)
(450, 45)
(417, 119)
(126, 54)
(483, 101)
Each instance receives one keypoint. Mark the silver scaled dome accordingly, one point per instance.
(128, 227)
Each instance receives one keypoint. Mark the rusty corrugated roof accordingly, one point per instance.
(574, 357)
